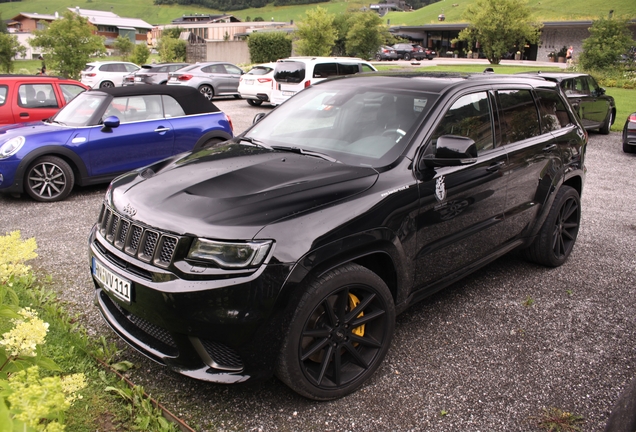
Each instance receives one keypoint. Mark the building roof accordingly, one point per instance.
(36, 15)
(203, 18)
(104, 18)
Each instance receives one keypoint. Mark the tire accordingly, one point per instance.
(238, 96)
(407, 56)
(558, 234)
(378, 57)
(207, 91)
(605, 129)
(106, 84)
(321, 357)
(628, 148)
(254, 102)
(49, 179)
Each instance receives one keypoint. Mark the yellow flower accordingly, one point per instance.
(13, 253)
(30, 331)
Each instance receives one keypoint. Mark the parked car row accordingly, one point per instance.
(405, 51)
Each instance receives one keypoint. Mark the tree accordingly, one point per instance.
(609, 38)
(499, 25)
(173, 32)
(365, 35)
(171, 49)
(140, 54)
(68, 44)
(9, 48)
(269, 47)
(124, 47)
(316, 34)
(3, 25)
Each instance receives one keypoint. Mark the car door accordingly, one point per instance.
(599, 105)
(582, 101)
(143, 136)
(462, 206)
(35, 101)
(233, 77)
(533, 154)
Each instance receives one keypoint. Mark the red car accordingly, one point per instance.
(26, 98)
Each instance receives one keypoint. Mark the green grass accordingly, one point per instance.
(553, 10)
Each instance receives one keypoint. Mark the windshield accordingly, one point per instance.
(80, 110)
(357, 126)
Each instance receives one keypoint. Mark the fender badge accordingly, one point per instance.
(440, 189)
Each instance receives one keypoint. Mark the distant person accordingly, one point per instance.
(569, 54)
(42, 71)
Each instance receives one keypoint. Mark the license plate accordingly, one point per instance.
(111, 282)
(138, 79)
(288, 93)
(172, 79)
(249, 82)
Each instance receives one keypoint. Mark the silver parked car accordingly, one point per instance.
(153, 74)
(210, 78)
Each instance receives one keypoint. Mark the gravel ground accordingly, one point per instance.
(475, 350)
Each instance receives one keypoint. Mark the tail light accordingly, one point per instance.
(307, 83)
(90, 74)
(264, 80)
(184, 77)
(230, 122)
(385, 51)
(632, 117)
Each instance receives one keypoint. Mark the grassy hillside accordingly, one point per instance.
(545, 10)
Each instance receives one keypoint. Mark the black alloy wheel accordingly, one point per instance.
(557, 236)
(605, 129)
(378, 57)
(339, 334)
(407, 56)
(207, 91)
(49, 179)
(106, 84)
(254, 102)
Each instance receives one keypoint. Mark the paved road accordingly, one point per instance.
(474, 350)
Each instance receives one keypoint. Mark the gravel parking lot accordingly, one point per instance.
(477, 351)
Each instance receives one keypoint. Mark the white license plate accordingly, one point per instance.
(138, 79)
(172, 79)
(288, 93)
(111, 282)
(249, 82)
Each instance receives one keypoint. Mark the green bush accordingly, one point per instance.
(140, 54)
(268, 47)
(609, 38)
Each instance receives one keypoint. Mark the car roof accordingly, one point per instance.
(12, 77)
(108, 62)
(554, 75)
(189, 98)
(439, 82)
(154, 65)
(317, 58)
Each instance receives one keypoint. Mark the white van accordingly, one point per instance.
(296, 73)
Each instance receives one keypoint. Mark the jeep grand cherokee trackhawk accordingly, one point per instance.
(290, 249)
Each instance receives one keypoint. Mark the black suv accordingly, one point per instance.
(595, 108)
(408, 51)
(291, 248)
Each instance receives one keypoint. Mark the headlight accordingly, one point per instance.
(231, 255)
(11, 147)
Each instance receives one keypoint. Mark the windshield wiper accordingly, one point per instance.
(253, 141)
(58, 122)
(298, 150)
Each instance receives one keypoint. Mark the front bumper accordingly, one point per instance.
(218, 330)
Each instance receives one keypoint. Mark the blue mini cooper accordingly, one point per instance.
(103, 133)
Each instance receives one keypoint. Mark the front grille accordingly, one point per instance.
(137, 240)
(222, 355)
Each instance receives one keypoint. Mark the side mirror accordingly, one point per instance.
(601, 91)
(451, 150)
(110, 123)
(258, 117)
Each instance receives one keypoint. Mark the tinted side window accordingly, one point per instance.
(593, 86)
(37, 96)
(518, 115)
(129, 68)
(3, 94)
(366, 68)
(107, 68)
(135, 108)
(324, 70)
(554, 116)
(232, 70)
(348, 69)
(470, 116)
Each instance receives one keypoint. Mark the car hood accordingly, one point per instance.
(31, 128)
(233, 191)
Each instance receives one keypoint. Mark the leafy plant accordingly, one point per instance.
(268, 47)
(144, 413)
(528, 302)
(609, 38)
(557, 420)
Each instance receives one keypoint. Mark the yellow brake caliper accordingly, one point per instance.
(353, 302)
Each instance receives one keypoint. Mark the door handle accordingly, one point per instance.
(548, 149)
(24, 114)
(162, 129)
(495, 167)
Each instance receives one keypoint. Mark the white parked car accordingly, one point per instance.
(256, 85)
(106, 74)
(296, 73)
